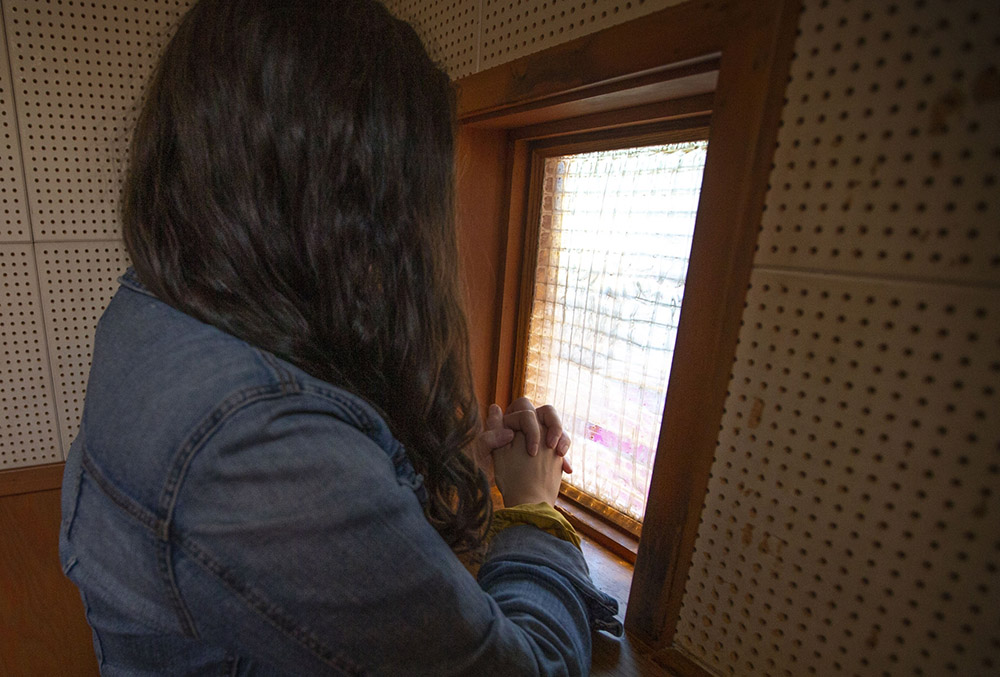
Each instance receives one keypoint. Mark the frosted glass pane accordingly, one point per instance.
(614, 242)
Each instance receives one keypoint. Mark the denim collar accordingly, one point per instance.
(131, 280)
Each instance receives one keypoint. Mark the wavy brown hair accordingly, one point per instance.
(290, 183)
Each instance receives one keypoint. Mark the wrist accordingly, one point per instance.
(512, 500)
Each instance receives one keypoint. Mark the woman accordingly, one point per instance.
(269, 476)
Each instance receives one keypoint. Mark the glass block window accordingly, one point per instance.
(614, 243)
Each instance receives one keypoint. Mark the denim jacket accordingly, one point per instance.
(225, 513)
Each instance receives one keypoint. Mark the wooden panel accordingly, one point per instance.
(481, 222)
(676, 38)
(42, 625)
(28, 480)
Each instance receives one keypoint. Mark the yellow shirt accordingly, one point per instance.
(541, 515)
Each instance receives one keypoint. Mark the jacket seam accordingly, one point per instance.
(197, 439)
(361, 419)
(130, 507)
(271, 612)
(286, 381)
(171, 489)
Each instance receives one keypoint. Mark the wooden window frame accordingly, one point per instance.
(727, 59)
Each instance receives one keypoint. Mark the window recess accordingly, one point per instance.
(691, 72)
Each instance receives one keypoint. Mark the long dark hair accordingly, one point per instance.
(290, 183)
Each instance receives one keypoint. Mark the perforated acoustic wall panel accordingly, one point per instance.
(77, 280)
(79, 70)
(512, 28)
(448, 28)
(71, 81)
(852, 523)
(466, 36)
(27, 431)
(891, 143)
(14, 226)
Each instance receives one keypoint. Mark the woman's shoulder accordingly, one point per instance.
(168, 393)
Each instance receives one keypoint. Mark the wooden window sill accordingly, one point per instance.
(618, 657)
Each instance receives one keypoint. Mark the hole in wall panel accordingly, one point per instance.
(28, 431)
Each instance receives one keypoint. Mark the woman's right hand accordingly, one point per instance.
(523, 478)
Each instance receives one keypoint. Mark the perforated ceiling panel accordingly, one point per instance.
(79, 69)
(14, 225)
(514, 28)
(27, 436)
(448, 29)
(852, 524)
(78, 280)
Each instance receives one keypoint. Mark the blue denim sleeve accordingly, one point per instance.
(296, 547)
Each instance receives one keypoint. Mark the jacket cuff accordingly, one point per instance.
(541, 515)
(529, 545)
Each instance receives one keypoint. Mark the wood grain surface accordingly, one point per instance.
(42, 626)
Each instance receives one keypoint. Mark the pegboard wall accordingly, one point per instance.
(14, 226)
(29, 436)
(851, 523)
(77, 281)
(466, 36)
(890, 145)
(78, 71)
(448, 28)
(71, 79)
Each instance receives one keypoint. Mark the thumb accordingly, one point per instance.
(494, 439)
(494, 418)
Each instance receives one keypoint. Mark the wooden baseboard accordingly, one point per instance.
(31, 479)
(679, 663)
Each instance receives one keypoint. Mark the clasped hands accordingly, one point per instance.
(524, 451)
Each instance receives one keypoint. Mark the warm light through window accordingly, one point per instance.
(614, 242)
